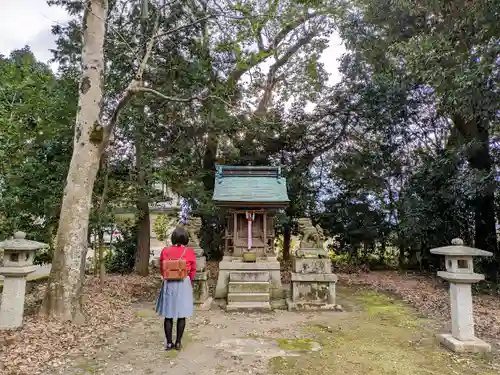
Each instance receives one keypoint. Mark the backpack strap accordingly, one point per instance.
(183, 253)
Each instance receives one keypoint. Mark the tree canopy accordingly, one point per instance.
(396, 158)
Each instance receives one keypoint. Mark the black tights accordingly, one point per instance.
(168, 325)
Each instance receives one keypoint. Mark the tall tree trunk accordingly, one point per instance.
(100, 258)
(63, 294)
(143, 238)
(402, 257)
(100, 212)
(287, 241)
(209, 160)
(484, 205)
(142, 205)
(476, 133)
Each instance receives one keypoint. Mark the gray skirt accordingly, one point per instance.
(175, 299)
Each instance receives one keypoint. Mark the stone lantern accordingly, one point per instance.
(17, 264)
(460, 274)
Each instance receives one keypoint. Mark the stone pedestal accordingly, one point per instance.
(249, 286)
(18, 263)
(460, 274)
(313, 283)
(202, 300)
(14, 290)
(229, 264)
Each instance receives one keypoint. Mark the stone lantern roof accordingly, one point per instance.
(20, 243)
(457, 248)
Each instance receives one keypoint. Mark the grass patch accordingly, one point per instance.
(381, 336)
(294, 344)
(88, 367)
(187, 339)
(145, 313)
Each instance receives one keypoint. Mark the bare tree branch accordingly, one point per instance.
(199, 98)
(271, 75)
(130, 91)
(238, 73)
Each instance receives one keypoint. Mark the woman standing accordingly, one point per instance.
(176, 296)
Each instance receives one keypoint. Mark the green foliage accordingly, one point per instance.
(36, 119)
(416, 169)
(121, 258)
(397, 158)
(161, 225)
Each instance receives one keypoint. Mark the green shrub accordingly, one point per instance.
(160, 226)
(121, 258)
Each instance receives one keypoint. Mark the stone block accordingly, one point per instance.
(470, 346)
(249, 287)
(230, 265)
(314, 277)
(238, 264)
(313, 289)
(249, 276)
(278, 304)
(200, 287)
(315, 265)
(201, 264)
(204, 306)
(249, 306)
(11, 312)
(276, 286)
(311, 305)
(247, 297)
(311, 253)
(201, 276)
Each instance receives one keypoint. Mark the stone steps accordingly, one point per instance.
(248, 297)
(249, 290)
(248, 306)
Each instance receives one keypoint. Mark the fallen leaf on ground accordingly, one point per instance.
(42, 345)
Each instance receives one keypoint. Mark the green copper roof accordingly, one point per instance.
(249, 185)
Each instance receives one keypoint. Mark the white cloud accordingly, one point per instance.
(331, 56)
(28, 22)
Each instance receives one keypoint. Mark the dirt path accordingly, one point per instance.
(377, 336)
(209, 345)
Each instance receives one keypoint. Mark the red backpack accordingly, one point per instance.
(174, 269)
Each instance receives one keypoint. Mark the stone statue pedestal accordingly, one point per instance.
(202, 300)
(313, 283)
(460, 274)
(249, 285)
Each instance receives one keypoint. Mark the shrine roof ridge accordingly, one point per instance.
(248, 170)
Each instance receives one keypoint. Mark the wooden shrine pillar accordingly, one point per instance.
(264, 235)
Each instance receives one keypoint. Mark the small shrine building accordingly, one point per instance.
(249, 274)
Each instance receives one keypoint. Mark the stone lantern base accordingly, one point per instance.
(470, 346)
